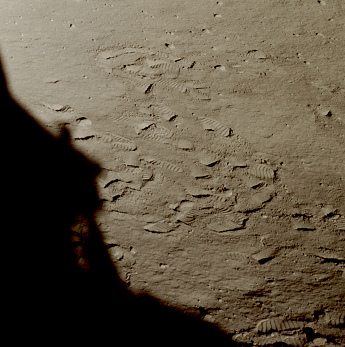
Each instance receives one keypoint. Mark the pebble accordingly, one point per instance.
(260, 55)
(220, 67)
(84, 122)
(323, 111)
(265, 255)
(143, 126)
(57, 107)
(328, 211)
(303, 225)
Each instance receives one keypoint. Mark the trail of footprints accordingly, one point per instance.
(180, 161)
(182, 182)
(289, 332)
(168, 146)
(182, 144)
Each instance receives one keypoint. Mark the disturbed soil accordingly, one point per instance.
(220, 128)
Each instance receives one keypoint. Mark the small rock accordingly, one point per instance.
(303, 225)
(323, 112)
(143, 126)
(220, 67)
(328, 211)
(124, 256)
(209, 318)
(170, 45)
(52, 80)
(257, 54)
(84, 122)
(260, 55)
(58, 107)
(116, 253)
(265, 255)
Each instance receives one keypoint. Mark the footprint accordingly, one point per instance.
(186, 63)
(170, 85)
(147, 175)
(166, 165)
(155, 137)
(277, 324)
(335, 319)
(200, 94)
(187, 217)
(340, 224)
(227, 222)
(162, 131)
(144, 87)
(262, 171)
(169, 70)
(118, 58)
(254, 202)
(185, 144)
(265, 255)
(117, 141)
(199, 172)
(223, 203)
(132, 159)
(208, 159)
(161, 227)
(164, 112)
(211, 124)
(80, 132)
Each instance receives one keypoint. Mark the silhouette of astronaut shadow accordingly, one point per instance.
(58, 281)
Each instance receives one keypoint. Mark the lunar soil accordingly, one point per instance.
(220, 130)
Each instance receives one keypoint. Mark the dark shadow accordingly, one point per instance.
(58, 282)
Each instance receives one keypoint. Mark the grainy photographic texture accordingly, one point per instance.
(201, 144)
